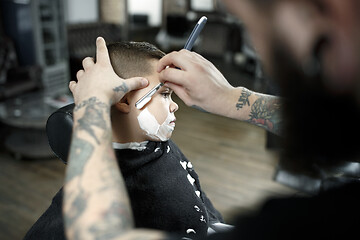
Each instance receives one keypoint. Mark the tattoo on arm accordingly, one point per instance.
(81, 150)
(77, 208)
(90, 102)
(93, 116)
(116, 219)
(123, 88)
(112, 181)
(111, 225)
(265, 112)
(93, 177)
(243, 99)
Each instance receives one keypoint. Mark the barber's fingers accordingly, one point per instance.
(102, 54)
(181, 59)
(198, 56)
(180, 92)
(79, 74)
(72, 85)
(173, 75)
(88, 62)
(133, 84)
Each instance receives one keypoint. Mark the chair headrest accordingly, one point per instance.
(59, 130)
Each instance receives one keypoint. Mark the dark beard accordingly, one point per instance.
(319, 125)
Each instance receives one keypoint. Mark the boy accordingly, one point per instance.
(163, 187)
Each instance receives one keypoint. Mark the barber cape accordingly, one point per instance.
(164, 189)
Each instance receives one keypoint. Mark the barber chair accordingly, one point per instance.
(319, 178)
(59, 130)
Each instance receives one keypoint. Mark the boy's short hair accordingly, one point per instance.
(131, 59)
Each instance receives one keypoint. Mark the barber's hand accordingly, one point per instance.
(195, 80)
(99, 79)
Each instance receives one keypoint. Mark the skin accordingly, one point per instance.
(124, 116)
(94, 185)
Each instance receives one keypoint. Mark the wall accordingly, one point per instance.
(78, 11)
(150, 7)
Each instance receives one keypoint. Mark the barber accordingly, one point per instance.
(292, 37)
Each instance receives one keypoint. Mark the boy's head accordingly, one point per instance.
(156, 120)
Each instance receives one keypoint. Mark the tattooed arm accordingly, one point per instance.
(96, 205)
(256, 108)
(259, 109)
(201, 85)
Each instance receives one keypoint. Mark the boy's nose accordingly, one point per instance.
(173, 107)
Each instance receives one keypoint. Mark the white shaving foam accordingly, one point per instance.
(153, 129)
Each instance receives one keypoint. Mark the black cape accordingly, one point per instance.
(164, 190)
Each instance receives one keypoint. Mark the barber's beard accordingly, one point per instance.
(320, 126)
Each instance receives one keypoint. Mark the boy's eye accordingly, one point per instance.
(165, 94)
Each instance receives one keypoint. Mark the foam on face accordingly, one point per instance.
(153, 129)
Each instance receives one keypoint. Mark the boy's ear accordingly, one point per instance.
(123, 106)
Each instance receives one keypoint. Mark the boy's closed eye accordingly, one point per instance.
(166, 93)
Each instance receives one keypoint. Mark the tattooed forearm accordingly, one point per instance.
(110, 176)
(81, 150)
(77, 208)
(243, 99)
(260, 109)
(93, 116)
(111, 225)
(93, 177)
(96, 204)
(80, 153)
(266, 112)
(93, 101)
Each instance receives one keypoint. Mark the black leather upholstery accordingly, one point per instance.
(320, 177)
(59, 130)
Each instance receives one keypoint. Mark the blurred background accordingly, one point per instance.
(42, 44)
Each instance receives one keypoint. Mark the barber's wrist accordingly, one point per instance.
(92, 101)
(222, 102)
(229, 101)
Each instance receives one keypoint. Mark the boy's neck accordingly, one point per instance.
(124, 131)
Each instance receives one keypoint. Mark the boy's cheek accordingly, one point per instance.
(158, 110)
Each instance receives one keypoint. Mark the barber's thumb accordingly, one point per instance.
(136, 83)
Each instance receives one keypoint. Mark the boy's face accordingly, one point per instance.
(156, 120)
